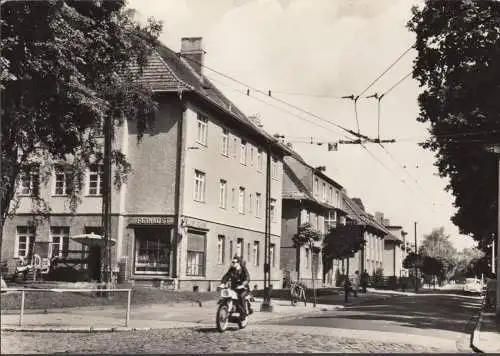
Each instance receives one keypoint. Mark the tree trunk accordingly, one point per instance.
(346, 284)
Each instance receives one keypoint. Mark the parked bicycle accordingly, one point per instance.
(297, 293)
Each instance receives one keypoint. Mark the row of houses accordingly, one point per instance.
(196, 196)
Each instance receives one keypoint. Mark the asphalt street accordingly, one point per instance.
(416, 324)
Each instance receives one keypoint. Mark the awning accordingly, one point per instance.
(92, 240)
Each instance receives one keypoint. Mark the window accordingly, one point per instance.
(241, 201)
(29, 181)
(235, 146)
(225, 142)
(202, 129)
(221, 244)
(251, 155)
(323, 192)
(196, 253)
(231, 249)
(260, 162)
(59, 237)
(256, 253)
(248, 252)
(271, 254)
(62, 184)
(233, 197)
(330, 195)
(25, 235)
(250, 203)
(337, 199)
(330, 221)
(274, 168)
(258, 204)
(273, 209)
(239, 248)
(152, 251)
(315, 187)
(95, 179)
(243, 152)
(223, 194)
(307, 258)
(199, 186)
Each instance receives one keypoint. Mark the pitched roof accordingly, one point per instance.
(361, 217)
(168, 71)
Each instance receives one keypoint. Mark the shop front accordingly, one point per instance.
(153, 253)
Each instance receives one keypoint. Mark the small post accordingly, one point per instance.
(129, 297)
(22, 309)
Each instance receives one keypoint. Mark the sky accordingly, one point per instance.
(310, 53)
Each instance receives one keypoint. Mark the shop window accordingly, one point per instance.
(196, 245)
(152, 251)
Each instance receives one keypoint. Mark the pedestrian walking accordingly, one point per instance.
(364, 280)
(355, 283)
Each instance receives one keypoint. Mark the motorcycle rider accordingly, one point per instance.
(240, 279)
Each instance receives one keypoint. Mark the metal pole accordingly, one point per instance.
(416, 259)
(129, 297)
(106, 201)
(266, 304)
(312, 272)
(22, 309)
(498, 240)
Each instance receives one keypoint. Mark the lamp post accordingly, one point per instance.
(266, 303)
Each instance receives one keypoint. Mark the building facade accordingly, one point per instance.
(309, 196)
(196, 195)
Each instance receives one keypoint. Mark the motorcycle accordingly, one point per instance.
(229, 310)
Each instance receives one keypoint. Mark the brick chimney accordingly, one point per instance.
(193, 53)
(379, 217)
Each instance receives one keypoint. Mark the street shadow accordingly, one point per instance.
(210, 330)
(423, 312)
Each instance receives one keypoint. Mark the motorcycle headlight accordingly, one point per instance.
(225, 293)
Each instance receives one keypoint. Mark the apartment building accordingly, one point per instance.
(394, 248)
(309, 196)
(371, 257)
(196, 195)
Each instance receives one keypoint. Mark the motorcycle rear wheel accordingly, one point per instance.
(222, 318)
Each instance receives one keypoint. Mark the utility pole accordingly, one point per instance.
(416, 259)
(106, 202)
(493, 254)
(266, 304)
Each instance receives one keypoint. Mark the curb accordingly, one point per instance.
(72, 330)
(476, 332)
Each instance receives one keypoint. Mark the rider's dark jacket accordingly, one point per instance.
(237, 277)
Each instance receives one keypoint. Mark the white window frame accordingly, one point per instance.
(235, 146)
(199, 186)
(250, 203)
(27, 183)
(323, 192)
(66, 182)
(225, 142)
(258, 204)
(272, 251)
(221, 249)
(202, 129)
(272, 211)
(251, 155)
(223, 194)
(239, 247)
(260, 161)
(59, 235)
(315, 186)
(330, 194)
(256, 253)
(241, 200)
(28, 233)
(97, 171)
(274, 168)
(243, 152)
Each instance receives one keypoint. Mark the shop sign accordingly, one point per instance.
(142, 220)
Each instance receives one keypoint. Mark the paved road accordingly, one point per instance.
(427, 324)
(446, 319)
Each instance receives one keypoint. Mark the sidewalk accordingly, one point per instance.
(486, 336)
(159, 316)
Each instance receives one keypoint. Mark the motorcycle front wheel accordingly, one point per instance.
(222, 318)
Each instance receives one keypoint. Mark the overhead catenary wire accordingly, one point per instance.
(269, 94)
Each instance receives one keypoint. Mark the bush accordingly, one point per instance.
(392, 283)
(339, 281)
(67, 274)
(378, 278)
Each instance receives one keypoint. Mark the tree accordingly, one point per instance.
(306, 236)
(342, 242)
(458, 66)
(410, 260)
(66, 67)
(465, 262)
